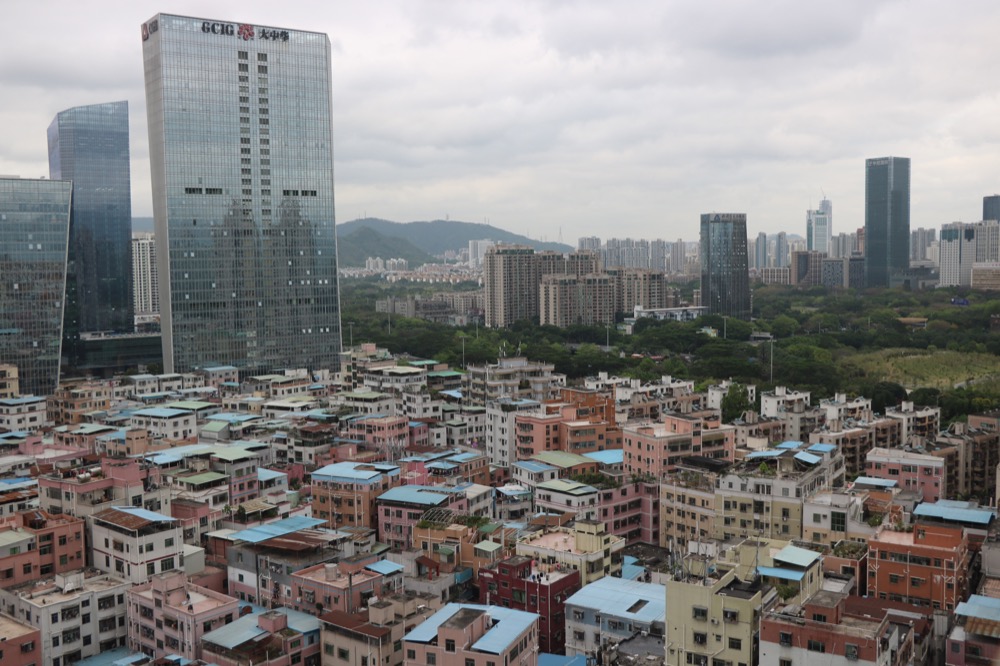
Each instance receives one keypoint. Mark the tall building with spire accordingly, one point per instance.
(241, 154)
(887, 219)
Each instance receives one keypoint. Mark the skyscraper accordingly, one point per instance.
(956, 254)
(887, 219)
(34, 235)
(760, 251)
(725, 279)
(819, 227)
(991, 207)
(144, 278)
(89, 145)
(241, 155)
(780, 250)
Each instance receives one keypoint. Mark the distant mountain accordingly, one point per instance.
(356, 246)
(439, 236)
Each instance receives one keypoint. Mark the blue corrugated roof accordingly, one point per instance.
(245, 629)
(145, 514)
(770, 453)
(276, 529)
(873, 481)
(613, 597)
(426, 495)
(161, 412)
(264, 474)
(822, 448)
(807, 458)
(791, 444)
(609, 457)
(116, 657)
(549, 659)
(984, 608)
(384, 567)
(22, 400)
(778, 572)
(441, 465)
(350, 472)
(533, 466)
(452, 393)
(464, 457)
(800, 557)
(510, 624)
(631, 570)
(979, 516)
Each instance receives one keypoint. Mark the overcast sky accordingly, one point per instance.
(579, 117)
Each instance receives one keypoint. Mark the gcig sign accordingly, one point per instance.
(244, 31)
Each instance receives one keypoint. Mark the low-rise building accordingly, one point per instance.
(919, 423)
(25, 413)
(517, 582)
(610, 610)
(371, 635)
(975, 638)
(823, 628)
(833, 516)
(40, 545)
(473, 635)
(168, 615)
(22, 643)
(653, 449)
(587, 547)
(346, 587)
(79, 614)
(136, 543)
(344, 493)
(687, 507)
(400, 509)
(278, 637)
(919, 472)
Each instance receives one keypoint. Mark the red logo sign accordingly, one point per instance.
(246, 31)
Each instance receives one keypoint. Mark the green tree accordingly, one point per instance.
(735, 402)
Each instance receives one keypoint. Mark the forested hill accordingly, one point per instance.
(439, 236)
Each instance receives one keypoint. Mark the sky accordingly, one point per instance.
(566, 118)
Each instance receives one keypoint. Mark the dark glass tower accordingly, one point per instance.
(88, 145)
(887, 219)
(241, 155)
(34, 233)
(725, 279)
(991, 207)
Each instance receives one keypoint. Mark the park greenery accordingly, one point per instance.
(882, 344)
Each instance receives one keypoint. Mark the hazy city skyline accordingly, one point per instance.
(582, 118)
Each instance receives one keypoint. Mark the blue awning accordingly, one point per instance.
(779, 572)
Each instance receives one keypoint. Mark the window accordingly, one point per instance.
(449, 645)
(735, 644)
(784, 662)
(470, 662)
(700, 638)
(785, 638)
(819, 617)
(851, 652)
(343, 654)
(411, 654)
(431, 659)
(699, 612)
(816, 646)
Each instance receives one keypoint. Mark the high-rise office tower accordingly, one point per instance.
(819, 227)
(589, 243)
(89, 145)
(725, 279)
(144, 277)
(760, 251)
(34, 235)
(241, 154)
(887, 219)
(781, 256)
(991, 207)
(920, 240)
(956, 252)
(678, 256)
(477, 248)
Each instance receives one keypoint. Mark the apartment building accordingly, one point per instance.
(39, 545)
(78, 614)
(371, 635)
(501, 427)
(781, 400)
(563, 496)
(853, 439)
(586, 547)
(687, 507)
(830, 517)
(654, 449)
(136, 543)
(73, 401)
(513, 377)
(824, 628)
(22, 643)
(611, 610)
(976, 454)
(176, 425)
(25, 413)
(344, 493)
(919, 423)
(277, 637)
(763, 494)
(927, 567)
(399, 509)
(346, 586)
(474, 635)
(518, 583)
(714, 615)
(169, 615)
(10, 386)
(569, 300)
(918, 472)
(973, 640)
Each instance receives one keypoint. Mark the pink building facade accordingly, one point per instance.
(918, 472)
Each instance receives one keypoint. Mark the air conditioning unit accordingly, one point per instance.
(715, 621)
